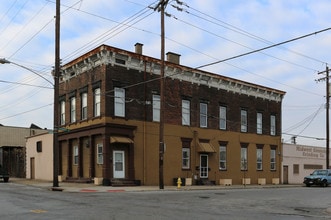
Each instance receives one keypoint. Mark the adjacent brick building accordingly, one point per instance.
(216, 128)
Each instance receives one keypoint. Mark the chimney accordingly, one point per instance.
(173, 57)
(139, 48)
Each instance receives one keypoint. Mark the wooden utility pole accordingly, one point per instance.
(56, 97)
(327, 106)
(327, 119)
(160, 7)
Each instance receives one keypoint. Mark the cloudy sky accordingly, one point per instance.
(202, 31)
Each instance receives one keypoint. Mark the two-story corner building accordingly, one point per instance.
(215, 128)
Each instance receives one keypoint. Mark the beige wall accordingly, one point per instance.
(43, 160)
(302, 155)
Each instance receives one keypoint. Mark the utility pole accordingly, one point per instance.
(327, 115)
(56, 97)
(160, 7)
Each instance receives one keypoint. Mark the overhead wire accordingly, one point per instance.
(120, 27)
(243, 32)
(24, 27)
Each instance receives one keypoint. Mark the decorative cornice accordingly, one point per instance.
(108, 55)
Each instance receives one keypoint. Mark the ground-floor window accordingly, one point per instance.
(222, 157)
(99, 153)
(185, 158)
(75, 151)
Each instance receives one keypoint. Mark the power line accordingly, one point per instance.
(264, 48)
(240, 31)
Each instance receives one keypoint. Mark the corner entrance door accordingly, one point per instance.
(119, 164)
(203, 165)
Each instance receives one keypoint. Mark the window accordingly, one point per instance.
(185, 158)
(272, 125)
(272, 159)
(39, 147)
(243, 160)
(203, 115)
(243, 114)
(99, 154)
(223, 117)
(186, 112)
(84, 106)
(119, 102)
(295, 168)
(73, 109)
(156, 108)
(63, 118)
(75, 155)
(223, 157)
(259, 158)
(97, 102)
(259, 123)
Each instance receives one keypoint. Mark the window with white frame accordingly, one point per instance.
(156, 108)
(272, 125)
(222, 157)
(84, 106)
(185, 158)
(259, 123)
(75, 154)
(63, 112)
(73, 109)
(119, 102)
(99, 154)
(203, 115)
(186, 118)
(273, 159)
(243, 116)
(223, 117)
(259, 158)
(243, 158)
(97, 103)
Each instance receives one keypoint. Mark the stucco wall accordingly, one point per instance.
(302, 156)
(43, 161)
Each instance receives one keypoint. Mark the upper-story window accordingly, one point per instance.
(243, 116)
(272, 125)
(156, 108)
(223, 117)
(63, 112)
(259, 123)
(97, 103)
(84, 106)
(203, 115)
(119, 102)
(186, 118)
(73, 109)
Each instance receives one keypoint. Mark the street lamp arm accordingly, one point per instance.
(4, 61)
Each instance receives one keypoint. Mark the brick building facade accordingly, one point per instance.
(215, 127)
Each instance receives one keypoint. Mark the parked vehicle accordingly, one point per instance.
(4, 174)
(318, 177)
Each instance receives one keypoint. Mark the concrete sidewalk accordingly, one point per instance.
(83, 187)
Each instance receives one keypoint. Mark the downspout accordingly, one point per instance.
(195, 137)
(144, 127)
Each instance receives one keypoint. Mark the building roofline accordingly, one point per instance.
(230, 80)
